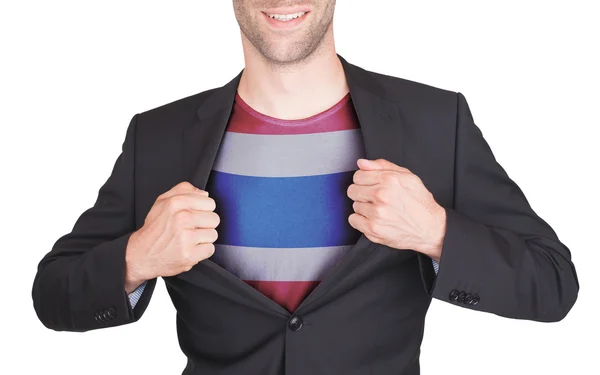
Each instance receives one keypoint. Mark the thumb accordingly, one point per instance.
(374, 164)
(379, 164)
(367, 164)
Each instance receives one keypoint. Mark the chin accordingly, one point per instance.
(285, 58)
(288, 53)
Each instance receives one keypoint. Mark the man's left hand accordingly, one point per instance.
(393, 207)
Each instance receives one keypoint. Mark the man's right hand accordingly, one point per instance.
(178, 232)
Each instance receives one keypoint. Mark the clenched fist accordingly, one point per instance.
(178, 232)
(393, 207)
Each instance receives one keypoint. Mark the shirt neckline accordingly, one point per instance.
(294, 122)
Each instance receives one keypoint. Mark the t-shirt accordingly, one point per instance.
(280, 192)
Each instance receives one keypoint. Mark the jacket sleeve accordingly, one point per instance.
(80, 283)
(498, 255)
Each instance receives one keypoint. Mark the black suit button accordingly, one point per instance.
(469, 299)
(112, 312)
(453, 296)
(99, 317)
(295, 324)
(475, 299)
(461, 296)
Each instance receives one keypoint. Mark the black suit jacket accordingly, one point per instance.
(367, 316)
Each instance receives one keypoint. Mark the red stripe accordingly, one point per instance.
(288, 294)
(340, 116)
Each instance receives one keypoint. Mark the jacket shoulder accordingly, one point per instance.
(177, 112)
(414, 94)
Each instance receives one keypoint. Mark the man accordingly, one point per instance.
(344, 200)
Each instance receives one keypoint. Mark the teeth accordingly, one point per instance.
(286, 17)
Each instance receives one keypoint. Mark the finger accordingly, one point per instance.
(182, 188)
(364, 177)
(202, 251)
(380, 164)
(358, 222)
(360, 193)
(202, 242)
(188, 219)
(190, 201)
(202, 235)
(364, 209)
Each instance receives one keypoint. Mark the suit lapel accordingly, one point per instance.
(202, 138)
(381, 126)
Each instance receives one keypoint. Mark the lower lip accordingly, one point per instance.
(285, 24)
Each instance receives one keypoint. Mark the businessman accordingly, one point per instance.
(304, 215)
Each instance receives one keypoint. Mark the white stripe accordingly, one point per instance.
(290, 155)
(278, 264)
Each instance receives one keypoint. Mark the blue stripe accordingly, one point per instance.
(306, 211)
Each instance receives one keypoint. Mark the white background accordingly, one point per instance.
(74, 73)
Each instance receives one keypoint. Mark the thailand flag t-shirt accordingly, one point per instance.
(280, 192)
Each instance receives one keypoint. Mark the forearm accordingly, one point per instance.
(516, 276)
(497, 254)
(80, 283)
(74, 293)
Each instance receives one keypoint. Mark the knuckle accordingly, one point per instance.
(389, 178)
(185, 254)
(373, 228)
(174, 204)
(181, 218)
(379, 210)
(380, 194)
(185, 185)
(183, 238)
(177, 201)
(207, 249)
(412, 179)
(377, 230)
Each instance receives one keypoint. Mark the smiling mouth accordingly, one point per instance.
(285, 17)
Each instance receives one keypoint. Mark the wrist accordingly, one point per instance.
(435, 241)
(134, 275)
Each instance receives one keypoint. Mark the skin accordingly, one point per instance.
(288, 74)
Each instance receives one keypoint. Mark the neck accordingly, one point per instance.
(293, 91)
